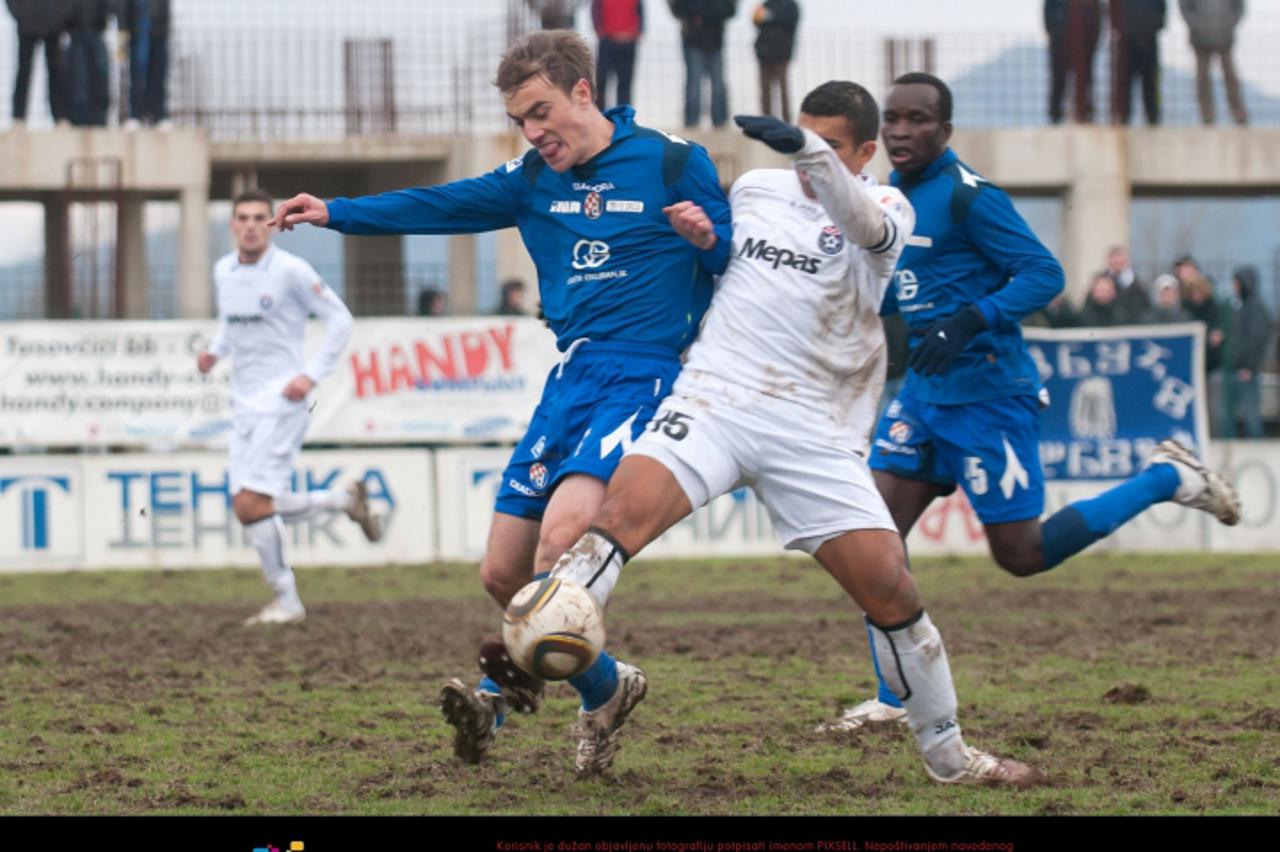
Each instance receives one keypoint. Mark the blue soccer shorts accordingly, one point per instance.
(594, 405)
(990, 448)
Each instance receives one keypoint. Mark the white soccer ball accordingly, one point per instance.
(553, 629)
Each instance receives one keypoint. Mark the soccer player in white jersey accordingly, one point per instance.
(264, 298)
(779, 392)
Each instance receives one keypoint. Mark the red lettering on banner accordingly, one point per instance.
(474, 352)
(446, 367)
(367, 375)
(934, 522)
(401, 376)
(503, 338)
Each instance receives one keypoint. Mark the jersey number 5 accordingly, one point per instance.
(673, 424)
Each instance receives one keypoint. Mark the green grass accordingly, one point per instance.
(138, 692)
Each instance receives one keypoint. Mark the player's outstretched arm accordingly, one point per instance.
(302, 209)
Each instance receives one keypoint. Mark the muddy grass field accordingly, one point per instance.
(1139, 685)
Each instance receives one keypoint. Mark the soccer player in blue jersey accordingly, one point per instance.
(625, 275)
(968, 413)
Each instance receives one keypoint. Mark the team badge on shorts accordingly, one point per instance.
(900, 432)
(592, 206)
(265, 301)
(831, 241)
(538, 474)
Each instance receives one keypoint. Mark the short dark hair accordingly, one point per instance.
(562, 56)
(250, 196)
(840, 97)
(923, 79)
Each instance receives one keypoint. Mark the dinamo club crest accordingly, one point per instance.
(593, 206)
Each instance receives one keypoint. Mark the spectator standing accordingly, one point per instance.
(1197, 299)
(432, 303)
(702, 33)
(40, 22)
(88, 73)
(1248, 339)
(147, 23)
(555, 14)
(1168, 303)
(618, 24)
(1212, 24)
(1135, 46)
(1073, 27)
(512, 300)
(776, 22)
(1103, 307)
(1129, 290)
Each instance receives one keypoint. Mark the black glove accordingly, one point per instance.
(944, 340)
(774, 132)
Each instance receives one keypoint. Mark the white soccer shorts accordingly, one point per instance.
(264, 448)
(813, 491)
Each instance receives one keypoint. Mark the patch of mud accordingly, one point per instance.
(1127, 693)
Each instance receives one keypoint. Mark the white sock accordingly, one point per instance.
(914, 663)
(297, 506)
(267, 536)
(595, 562)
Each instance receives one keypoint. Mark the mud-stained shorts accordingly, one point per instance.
(813, 490)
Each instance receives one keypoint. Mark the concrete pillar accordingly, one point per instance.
(1096, 204)
(462, 273)
(136, 284)
(57, 266)
(195, 288)
(373, 271)
(514, 262)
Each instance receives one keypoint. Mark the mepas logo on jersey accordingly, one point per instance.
(761, 250)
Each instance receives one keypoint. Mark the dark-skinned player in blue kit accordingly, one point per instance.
(625, 276)
(968, 412)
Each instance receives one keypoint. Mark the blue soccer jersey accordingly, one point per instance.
(971, 247)
(610, 266)
(623, 292)
(978, 423)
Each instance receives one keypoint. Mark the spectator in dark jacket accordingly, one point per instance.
(512, 299)
(88, 71)
(1129, 290)
(702, 33)
(1212, 24)
(1103, 307)
(618, 24)
(40, 22)
(776, 22)
(147, 23)
(1248, 340)
(1167, 307)
(1073, 27)
(1056, 314)
(1135, 52)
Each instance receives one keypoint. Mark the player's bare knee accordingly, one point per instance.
(250, 507)
(501, 582)
(1019, 561)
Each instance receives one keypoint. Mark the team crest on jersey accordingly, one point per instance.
(265, 301)
(592, 207)
(900, 432)
(831, 241)
(538, 474)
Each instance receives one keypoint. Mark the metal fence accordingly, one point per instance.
(308, 69)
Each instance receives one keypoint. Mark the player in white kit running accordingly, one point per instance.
(264, 297)
(779, 393)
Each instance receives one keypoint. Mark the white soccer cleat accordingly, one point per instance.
(598, 729)
(978, 767)
(1200, 487)
(278, 612)
(359, 512)
(872, 713)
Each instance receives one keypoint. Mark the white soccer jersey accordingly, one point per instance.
(262, 314)
(796, 314)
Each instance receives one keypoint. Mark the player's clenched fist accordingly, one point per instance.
(205, 361)
(691, 222)
(302, 209)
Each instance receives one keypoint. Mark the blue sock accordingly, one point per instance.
(1072, 529)
(488, 684)
(597, 684)
(883, 692)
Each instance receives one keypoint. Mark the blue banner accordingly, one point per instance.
(1114, 393)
